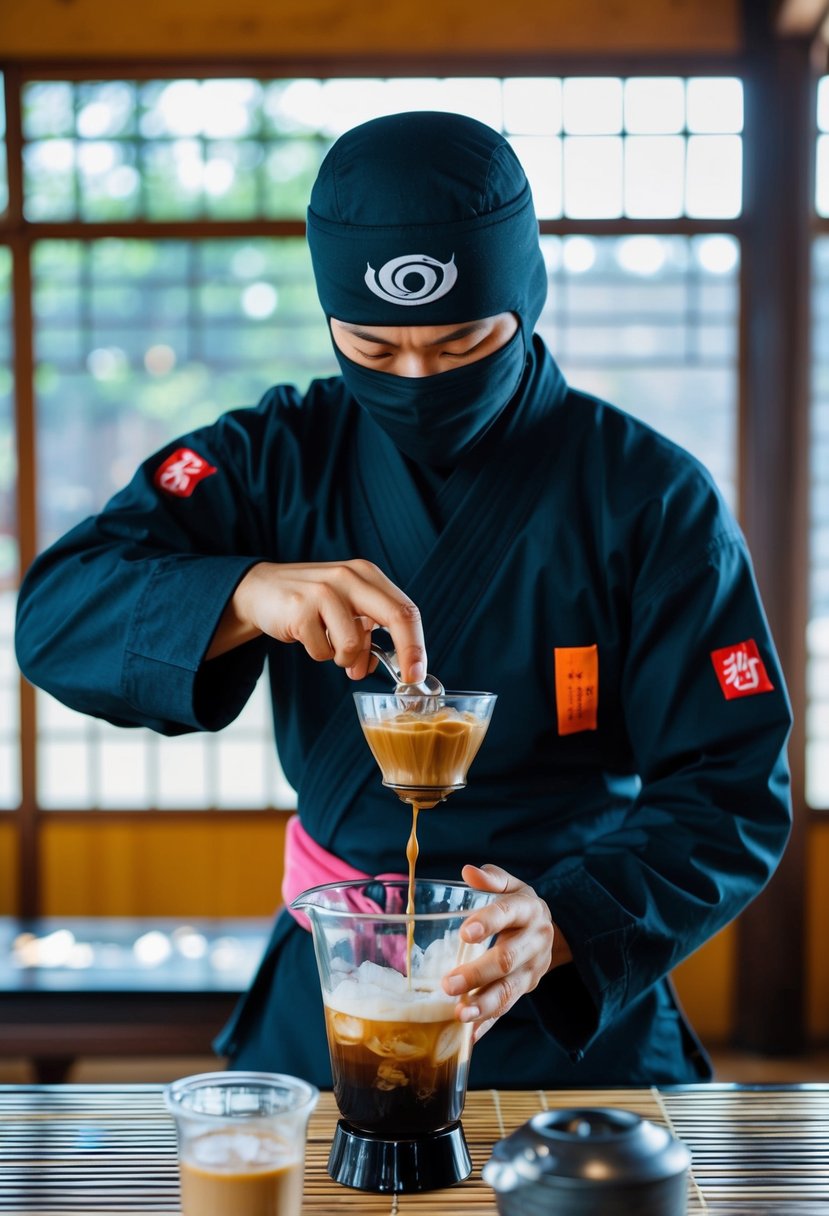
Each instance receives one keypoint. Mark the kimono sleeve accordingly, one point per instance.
(708, 717)
(116, 617)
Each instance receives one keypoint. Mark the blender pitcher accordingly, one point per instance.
(399, 1056)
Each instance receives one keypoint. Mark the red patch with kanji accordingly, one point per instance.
(740, 670)
(182, 472)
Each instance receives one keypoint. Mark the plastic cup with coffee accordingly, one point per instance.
(241, 1142)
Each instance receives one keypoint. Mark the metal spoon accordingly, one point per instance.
(430, 687)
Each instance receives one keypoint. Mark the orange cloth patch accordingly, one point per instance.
(577, 688)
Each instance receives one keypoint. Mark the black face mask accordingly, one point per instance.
(437, 420)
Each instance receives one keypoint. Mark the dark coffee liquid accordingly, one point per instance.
(398, 1078)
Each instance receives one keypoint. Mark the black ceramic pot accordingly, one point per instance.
(580, 1162)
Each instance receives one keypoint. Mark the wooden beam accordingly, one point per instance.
(801, 18)
(775, 296)
(25, 430)
(161, 29)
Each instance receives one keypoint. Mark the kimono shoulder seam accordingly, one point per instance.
(678, 574)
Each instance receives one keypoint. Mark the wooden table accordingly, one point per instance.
(107, 1149)
(110, 997)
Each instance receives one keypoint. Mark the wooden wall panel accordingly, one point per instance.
(189, 866)
(817, 933)
(166, 29)
(705, 986)
(8, 869)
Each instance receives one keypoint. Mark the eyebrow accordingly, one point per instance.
(455, 335)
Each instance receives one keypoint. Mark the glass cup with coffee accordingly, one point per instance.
(424, 745)
(399, 1055)
(241, 1142)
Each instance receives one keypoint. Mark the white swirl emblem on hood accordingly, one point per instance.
(389, 283)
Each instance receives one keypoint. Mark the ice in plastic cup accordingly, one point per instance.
(241, 1142)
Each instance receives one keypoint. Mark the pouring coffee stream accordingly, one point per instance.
(423, 742)
(399, 1054)
(428, 687)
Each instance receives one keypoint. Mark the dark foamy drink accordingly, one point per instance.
(399, 1056)
(398, 1078)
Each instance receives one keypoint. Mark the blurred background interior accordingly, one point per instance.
(154, 171)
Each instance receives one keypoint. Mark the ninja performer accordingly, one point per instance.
(631, 796)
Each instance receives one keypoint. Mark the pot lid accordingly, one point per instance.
(600, 1146)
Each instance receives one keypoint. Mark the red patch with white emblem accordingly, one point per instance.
(182, 472)
(740, 670)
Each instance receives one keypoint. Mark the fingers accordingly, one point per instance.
(497, 989)
(340, 628)
(366, 661)
(501, 913)
(363, 590)
(481, 1028)
(518, 958)
(330, 609)
(490, 878)
(515, 958)
(377, 596)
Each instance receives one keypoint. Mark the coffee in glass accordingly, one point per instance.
(424, 745)
(241, 1142)
(399, 1055)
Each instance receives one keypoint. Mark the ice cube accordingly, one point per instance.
(346, 1029)
(216, 1149)
(439, 956)
(234, 1150)
(401, 1043)
(248, 1149)
(449, 1042)
(385, 978)
(389, 1076)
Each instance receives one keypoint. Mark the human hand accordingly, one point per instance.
(330, 608)
(527, 946)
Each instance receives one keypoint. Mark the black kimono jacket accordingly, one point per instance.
(577, 564)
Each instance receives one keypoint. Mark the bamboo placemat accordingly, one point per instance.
(110, 1150)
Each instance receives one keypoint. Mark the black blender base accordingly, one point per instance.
(422, 1163)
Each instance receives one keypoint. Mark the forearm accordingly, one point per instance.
(235, 627)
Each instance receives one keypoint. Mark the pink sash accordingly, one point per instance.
(308, 864)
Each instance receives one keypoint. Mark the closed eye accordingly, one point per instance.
(463, 354)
